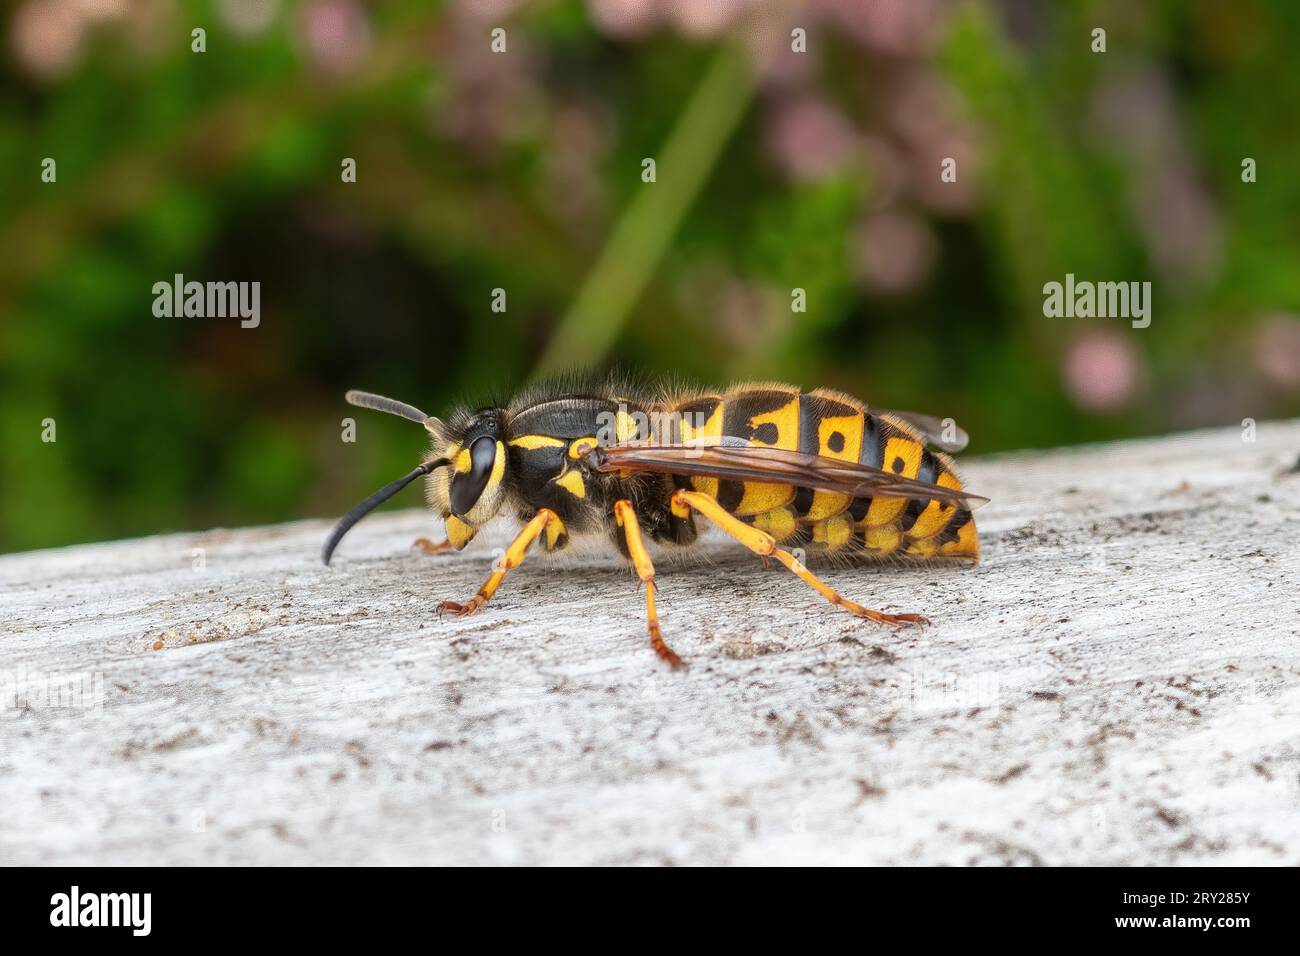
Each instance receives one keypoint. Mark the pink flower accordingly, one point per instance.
(894, 251)
(1102, 370)
(47, 37)
(894, 27)
(808, 138)
(336, 33)
(625, 19)
(705, 19)
(1277, 351)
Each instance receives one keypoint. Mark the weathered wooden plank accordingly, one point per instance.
(1117, 683)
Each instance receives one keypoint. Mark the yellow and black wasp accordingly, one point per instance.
(771, 466)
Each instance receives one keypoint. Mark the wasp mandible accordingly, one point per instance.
(771, 466)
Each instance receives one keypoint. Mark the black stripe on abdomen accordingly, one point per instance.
(873, 443)
(928, 473)
(959, 520)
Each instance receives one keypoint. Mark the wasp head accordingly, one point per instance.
(469, 492)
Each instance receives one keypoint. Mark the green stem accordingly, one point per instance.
(588, 330)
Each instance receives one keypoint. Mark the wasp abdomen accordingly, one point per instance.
(832, 425)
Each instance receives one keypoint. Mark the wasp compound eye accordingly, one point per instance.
(467, 487)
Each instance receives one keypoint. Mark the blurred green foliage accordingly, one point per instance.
(522, 170)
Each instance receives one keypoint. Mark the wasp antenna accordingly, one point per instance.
(390, 405)
(374, 501)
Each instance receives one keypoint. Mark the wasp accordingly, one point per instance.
(773, 467)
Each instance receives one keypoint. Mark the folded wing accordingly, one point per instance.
(745, 462)
(940, 433)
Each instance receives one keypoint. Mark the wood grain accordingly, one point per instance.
(1117, 683)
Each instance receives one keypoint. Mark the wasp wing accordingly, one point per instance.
(941, 433)
(744, 462)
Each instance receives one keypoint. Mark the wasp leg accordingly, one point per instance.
(512, 558)
(433, 547)
(764, 545)
(625, 515)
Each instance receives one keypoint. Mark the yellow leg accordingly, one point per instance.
(762, 544)
(625, 515)
(513, 557)
(432, 547)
